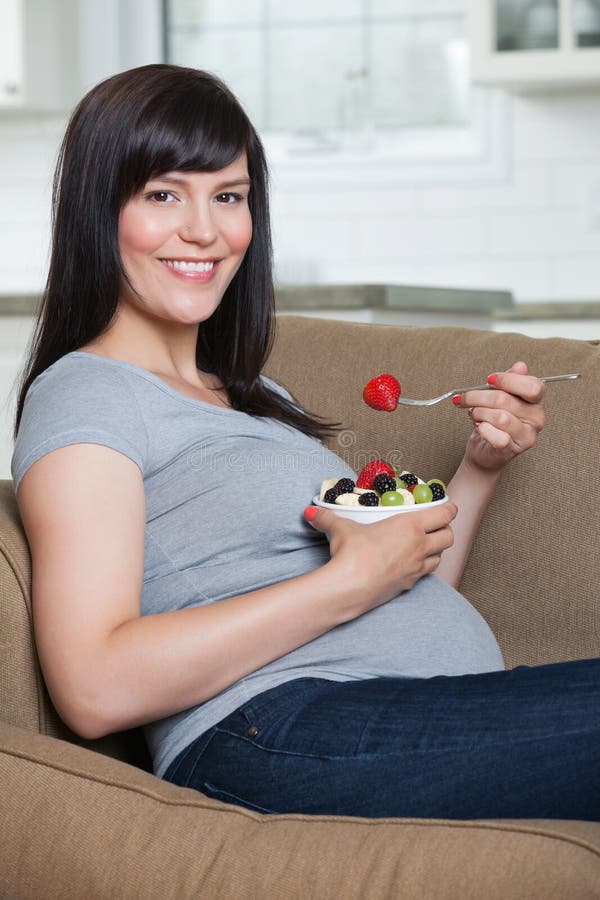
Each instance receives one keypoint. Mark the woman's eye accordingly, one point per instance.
(161, 196)
(229, 197)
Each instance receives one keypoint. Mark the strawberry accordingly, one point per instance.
(382, 392)
(370, 471)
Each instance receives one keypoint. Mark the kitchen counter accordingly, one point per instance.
(391, 297)
(411, 305)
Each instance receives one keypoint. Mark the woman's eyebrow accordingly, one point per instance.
(235, 183)
(176, 179)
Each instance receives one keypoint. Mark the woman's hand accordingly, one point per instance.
(380, 560)
(507, 419)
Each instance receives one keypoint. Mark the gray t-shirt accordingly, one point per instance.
(225, 494)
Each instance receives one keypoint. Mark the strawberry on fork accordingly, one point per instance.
(382, 392)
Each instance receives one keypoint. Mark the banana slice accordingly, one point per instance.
(408, 497)
(362, 491)
(347, 500)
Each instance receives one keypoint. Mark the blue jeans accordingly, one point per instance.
(521, 743)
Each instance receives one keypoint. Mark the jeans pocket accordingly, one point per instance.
(266, 709)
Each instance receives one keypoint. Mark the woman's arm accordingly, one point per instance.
(507, 421)
(471, 489)
(107, 667)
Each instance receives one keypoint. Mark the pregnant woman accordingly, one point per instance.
(284, 660)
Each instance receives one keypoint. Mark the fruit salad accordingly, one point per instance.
(380, 484)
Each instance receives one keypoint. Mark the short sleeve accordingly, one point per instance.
(78, 402)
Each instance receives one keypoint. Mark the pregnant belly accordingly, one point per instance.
(429, 630)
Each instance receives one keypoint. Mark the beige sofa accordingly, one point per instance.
(87, 821)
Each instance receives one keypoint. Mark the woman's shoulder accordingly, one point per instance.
(77, 373)
(74, 401)
(88, 385)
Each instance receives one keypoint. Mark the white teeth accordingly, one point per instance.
(184, 266)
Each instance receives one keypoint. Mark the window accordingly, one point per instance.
(323, 65)
(326, 81)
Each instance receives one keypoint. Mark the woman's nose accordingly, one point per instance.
(199, 226)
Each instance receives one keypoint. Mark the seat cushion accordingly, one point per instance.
(79, 824)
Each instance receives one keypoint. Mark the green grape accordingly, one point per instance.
(401, 485)
(422, 493)
(391, 498)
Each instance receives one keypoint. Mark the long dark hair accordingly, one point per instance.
(128, 129)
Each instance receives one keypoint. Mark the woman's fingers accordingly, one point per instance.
(439, 540)
(431, 563)
(432, 527)
(510, 404)
(511, 413)
(518, 382)
(515, 384)
(501, 427)
(440, 517)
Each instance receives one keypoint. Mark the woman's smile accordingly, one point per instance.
(191, 269)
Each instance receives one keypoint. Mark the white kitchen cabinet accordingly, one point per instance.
(55, 50)
(11, 57)
(39, 61)
(533, 44)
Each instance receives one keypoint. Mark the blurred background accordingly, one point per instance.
(433, 161)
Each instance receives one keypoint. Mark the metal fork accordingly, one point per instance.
(478, 387)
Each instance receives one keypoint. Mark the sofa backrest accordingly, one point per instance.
(534, 569)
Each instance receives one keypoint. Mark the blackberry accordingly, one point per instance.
(342, 486)
(409, 479)
(369, 499)
(383, 483)
(437, 491)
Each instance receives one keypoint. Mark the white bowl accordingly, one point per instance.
(369, 514)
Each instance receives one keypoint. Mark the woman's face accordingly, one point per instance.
(183, 238)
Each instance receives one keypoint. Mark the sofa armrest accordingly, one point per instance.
(78, 824)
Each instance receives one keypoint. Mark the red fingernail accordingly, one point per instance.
(457, 399)
(310, 512)
(492, 379)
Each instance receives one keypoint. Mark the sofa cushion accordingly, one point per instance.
(77, 824)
